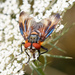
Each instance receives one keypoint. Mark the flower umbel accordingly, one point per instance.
(10, 37)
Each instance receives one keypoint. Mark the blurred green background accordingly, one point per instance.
(67, 43)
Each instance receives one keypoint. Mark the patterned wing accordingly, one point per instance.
(48, 26)
(25, 24)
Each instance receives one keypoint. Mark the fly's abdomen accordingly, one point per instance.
(35, 45)
(26, 45)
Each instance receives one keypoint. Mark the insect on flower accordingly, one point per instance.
(35, 33)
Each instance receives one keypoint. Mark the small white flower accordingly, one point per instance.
(26, 6)
(21, 72)
(59, 28)
(71, 1)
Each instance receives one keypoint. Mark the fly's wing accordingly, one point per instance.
(25, 24)
(48, 26)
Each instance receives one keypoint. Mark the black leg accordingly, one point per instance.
(28, 56)
(33, 55)
(39, 55)
(44, 49)
(21, 48)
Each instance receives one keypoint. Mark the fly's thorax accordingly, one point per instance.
(33, 38)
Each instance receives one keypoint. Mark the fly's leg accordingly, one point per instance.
(21, 48)
(33, 55)
(28, 56)
(39, 55)
(44, 49)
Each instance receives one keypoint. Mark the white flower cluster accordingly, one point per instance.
(10, 37)
(41, 6)
(9, 34)
(25, 6)
(10, 7)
